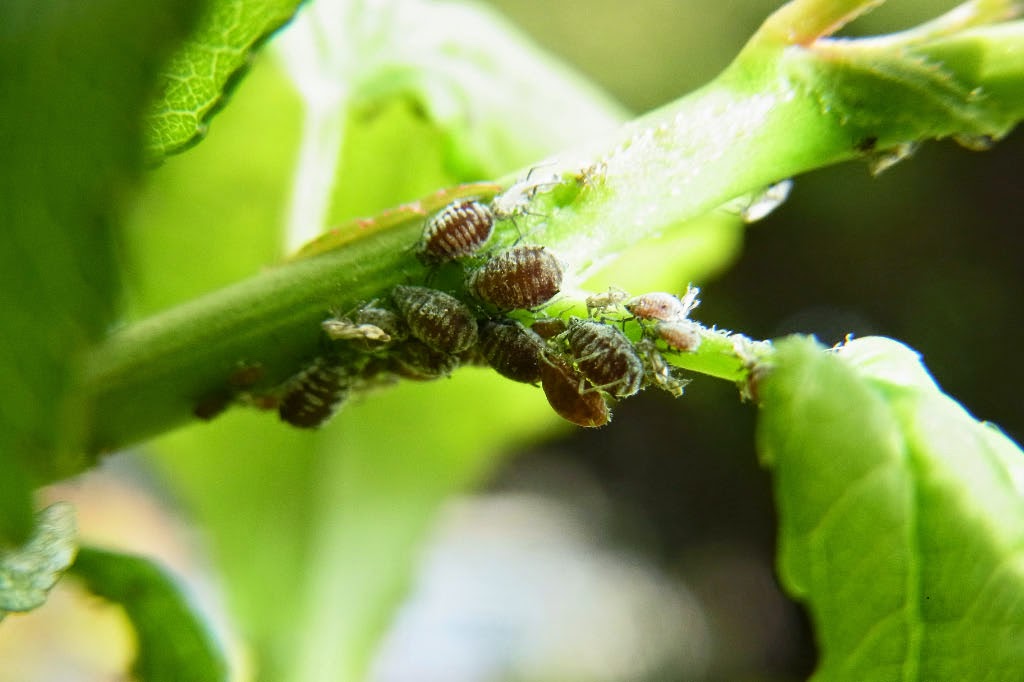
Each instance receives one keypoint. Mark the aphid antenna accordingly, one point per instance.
(512, 202)
(561, 312)
(432, 270)
(603, 388)
(346, 315)
(550, 351)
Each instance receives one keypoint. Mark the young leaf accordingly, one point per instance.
(173, 643)
(200, 76)
(28, 572)
(901, 517)
(76, 78)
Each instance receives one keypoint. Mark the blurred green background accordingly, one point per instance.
(661, 521)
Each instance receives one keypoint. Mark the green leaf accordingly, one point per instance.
(28, 572)
(901, 517)
(198, 79)
(173, 642)
(76, 79)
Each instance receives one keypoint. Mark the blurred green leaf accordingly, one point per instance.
(901, 517)
(173, 642)
(231, 210)
(379, 490)
(76, 79)
(201, 75)
(451, 78)
(488, 87)
(28, 572)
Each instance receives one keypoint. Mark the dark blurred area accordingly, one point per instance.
(927, 253)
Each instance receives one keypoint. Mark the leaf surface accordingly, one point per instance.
(200, 76)
(901, 516)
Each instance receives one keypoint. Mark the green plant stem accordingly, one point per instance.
(776, 112)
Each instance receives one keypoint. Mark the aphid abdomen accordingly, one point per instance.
(522, 277)
(457, 230)
(683, 335)
(417, 361)
(512, 350)
(606, 357)
(314, 395)
(659, 305)
(442, 322)
(562, 387)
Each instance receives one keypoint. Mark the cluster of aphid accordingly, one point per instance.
(423, 333)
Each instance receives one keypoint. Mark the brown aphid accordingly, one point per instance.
(512, 350)
(605, 356)
(681, 335)
(246, 375)
(522, 277)
(548, 327)
(457, 230)
(212, 404)
(314, 395)
(663, 306)
(417, 361)
(439, 320)
(563, 388)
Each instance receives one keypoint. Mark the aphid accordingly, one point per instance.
(439, 320)
(522, 277)
(592, 175)
(548, 327)
(417, 361)
(605, 300)
(341, 329)
(563, 387)
(388, 321)
(246, 375)
(212, 404)
(314, 395)
(605, 356)
(662, 306)
(681, 335)
(512, 350)
(516, 199)
(457, 230)
(658, 372)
